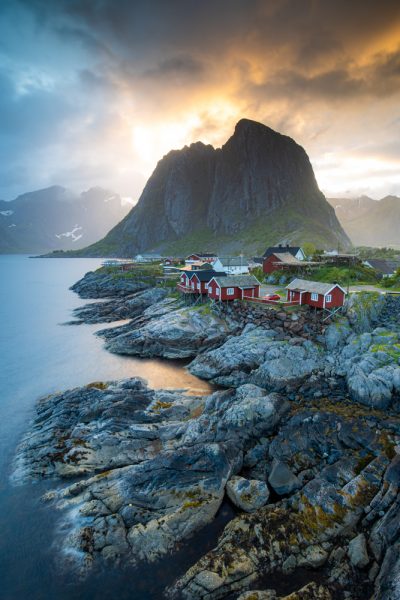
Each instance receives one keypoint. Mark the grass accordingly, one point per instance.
(345, 275)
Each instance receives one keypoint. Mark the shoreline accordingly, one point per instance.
(247, 352)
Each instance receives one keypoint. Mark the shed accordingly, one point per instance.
(315, 293)
(233, 287)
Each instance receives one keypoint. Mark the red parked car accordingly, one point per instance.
(272, 297)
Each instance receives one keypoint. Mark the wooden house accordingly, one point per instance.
(200, 279)
(383, 267)
(295, 251)
(280, 260)
(233, 287)
(196, 282)
(232, 265)
(314, 293)
(200, 258)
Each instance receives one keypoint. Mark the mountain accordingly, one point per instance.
(57, 218)
(370, 222)
(258, 189)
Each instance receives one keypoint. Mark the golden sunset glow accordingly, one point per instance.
(326, 74)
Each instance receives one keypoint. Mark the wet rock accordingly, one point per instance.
(248, 495)
(154, 463)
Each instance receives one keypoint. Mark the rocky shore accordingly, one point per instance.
(304, 442)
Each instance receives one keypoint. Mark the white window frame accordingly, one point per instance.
(314, 296)
(328, 298)
(230, 291)
(217, 291)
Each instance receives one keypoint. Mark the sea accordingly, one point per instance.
(41, 354)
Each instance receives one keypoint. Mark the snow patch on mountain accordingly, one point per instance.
(71, 234)
(6, 213)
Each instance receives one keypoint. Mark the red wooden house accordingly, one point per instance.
(233, 287)
(315, 293)
(280, 260)
(200, 279)
(196, 282)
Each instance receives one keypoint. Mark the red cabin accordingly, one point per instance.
(315, 293)
(233, 288)
(197, 281)
(200, 280)
(280, 260)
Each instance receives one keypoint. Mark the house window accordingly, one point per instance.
(314, 296)
(217, 291)
(230, 291)
(328, 298)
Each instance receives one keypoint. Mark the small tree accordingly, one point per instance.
(309, 249)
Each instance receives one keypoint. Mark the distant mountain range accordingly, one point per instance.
(369, 222)
(56, 218)
(258, 189)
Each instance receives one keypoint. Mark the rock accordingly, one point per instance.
(153, 464)
(248, 495)
(127, 307)
(232, 362)
(259, 595)
(175, 334)
(313, 557)
(103, 284)
(215, 184)
(282, 479)
(287, 366)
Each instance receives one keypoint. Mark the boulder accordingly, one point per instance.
(282, 479)
(358, 552)
(248, 495)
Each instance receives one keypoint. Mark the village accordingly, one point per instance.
(282, 276)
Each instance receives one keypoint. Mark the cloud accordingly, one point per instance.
(81, 75)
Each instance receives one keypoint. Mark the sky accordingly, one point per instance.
(95, 92)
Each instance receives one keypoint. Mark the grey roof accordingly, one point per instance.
(207, 275)
(386, 267)
(237, 281)
(303, 285)
(293, 250)
(203, 254)
(233, 261)
(286, 257)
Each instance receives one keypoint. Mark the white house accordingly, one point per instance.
(232, 265)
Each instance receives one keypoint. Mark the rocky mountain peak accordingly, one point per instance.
(257, 189)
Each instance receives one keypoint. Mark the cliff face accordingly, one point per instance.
(259, 188)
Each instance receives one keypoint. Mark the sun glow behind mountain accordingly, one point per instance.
(103, 90)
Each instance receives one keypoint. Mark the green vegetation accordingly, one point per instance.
(368, 252)
(393, 282)
(345, 275)
(309, 249)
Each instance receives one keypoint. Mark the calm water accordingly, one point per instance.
(39, 355)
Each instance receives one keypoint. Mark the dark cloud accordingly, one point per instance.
(79, 75)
